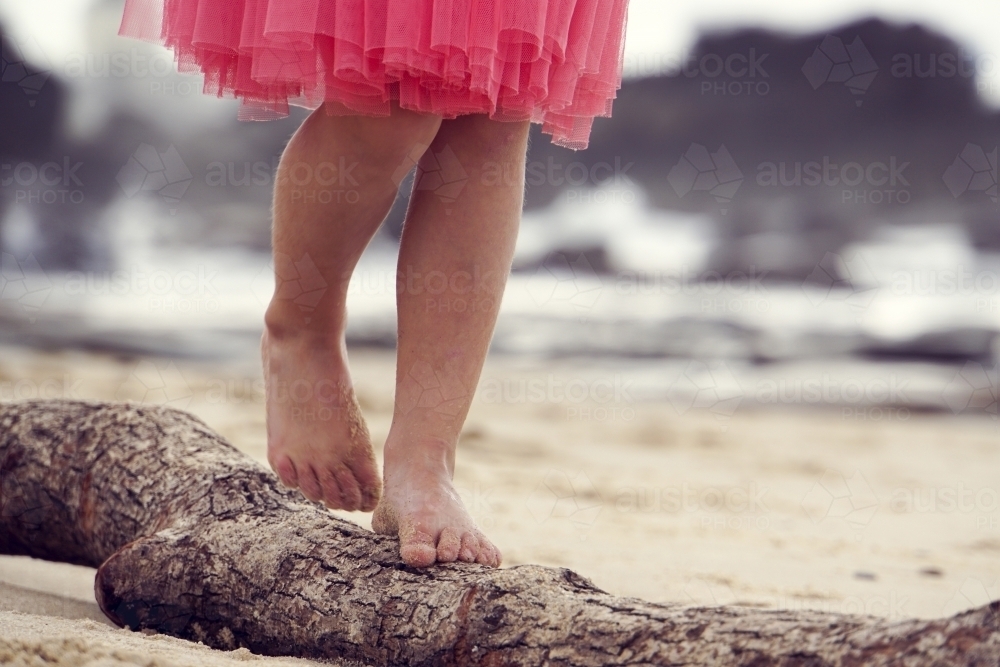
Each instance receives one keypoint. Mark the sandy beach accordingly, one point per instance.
(747, 354)
(895, 515)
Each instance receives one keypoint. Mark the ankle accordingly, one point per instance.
(430, 453)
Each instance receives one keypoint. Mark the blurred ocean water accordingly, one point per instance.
(910, 319)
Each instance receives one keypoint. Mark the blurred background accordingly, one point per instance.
(777, 184)
(792, 212)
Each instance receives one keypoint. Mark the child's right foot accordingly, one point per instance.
(423, 509)
(317, 440)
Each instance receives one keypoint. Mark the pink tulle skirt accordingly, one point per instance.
(554, 62)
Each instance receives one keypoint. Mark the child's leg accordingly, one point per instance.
(317, 439)
(453, 264)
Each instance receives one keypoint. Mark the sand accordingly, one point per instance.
(32, 640)
(784, 508)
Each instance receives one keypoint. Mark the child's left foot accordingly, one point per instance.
(420, 505)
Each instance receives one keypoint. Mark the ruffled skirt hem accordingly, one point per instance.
(554, 62)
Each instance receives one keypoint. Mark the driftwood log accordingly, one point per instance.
(194, 539)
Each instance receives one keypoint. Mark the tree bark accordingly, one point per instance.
(194, 539)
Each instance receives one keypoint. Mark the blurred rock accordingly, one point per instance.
(915, 114)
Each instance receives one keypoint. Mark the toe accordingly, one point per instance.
(331, 489)
(470, 548)
(309, 484)
(417, 549)
(384, 520)
(350, 493)
(368, 479)
(370, 497)
(449, 544)
(285, 469)
(488, 554)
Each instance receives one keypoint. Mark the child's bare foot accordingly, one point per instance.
(421, 506)
(317, 440)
